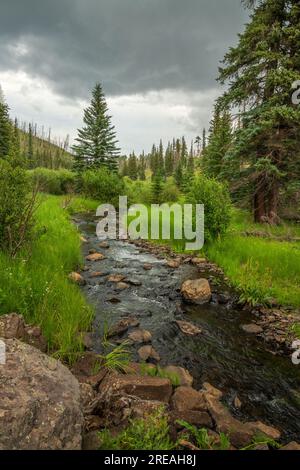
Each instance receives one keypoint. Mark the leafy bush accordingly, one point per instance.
(16, 208)
(55, 182)
(141, 434)
(217, 207)
(102, 185)
(138, 192)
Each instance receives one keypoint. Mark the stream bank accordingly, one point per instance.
(267, 386)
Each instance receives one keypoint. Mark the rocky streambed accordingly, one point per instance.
(136, 294)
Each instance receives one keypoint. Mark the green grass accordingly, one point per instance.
(202, 439)
(141, 434)
(36, 283)
(261, 269)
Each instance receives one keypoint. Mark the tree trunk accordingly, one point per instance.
(273, 197)
(259, 205)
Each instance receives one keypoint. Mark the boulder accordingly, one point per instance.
(77, 278)
(97, 274)
(40, 402)
(184, 377)
(95, 257)
(147, 353)
(87, 394)
(196, 291)
(187, 399)
(91, 441)
(88, 369)
(143, 387)
(140, 336)
(252, 329)
(188, 328)
(200, 419)
(122, 326)
(261, 428)
(34, 336)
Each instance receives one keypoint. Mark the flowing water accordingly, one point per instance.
(224, 355)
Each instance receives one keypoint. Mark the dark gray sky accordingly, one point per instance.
(157, 61)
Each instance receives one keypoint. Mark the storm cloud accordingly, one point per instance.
(133, 47)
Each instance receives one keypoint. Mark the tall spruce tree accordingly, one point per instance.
(5, 127)
(97, 143)
(132, 167)
(219, 142)
(260, 72)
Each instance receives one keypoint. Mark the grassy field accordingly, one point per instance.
(36, 284)
(260, 268)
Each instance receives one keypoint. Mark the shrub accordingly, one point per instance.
(217, 207)
(138, 192)
(16, 208)
(55, 182)
(102, 185)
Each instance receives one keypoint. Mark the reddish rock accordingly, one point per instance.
(96, 274)
(188, 328)
(184, 377)
(147, 353)
(95, 257)
(173, 264)
(122, 286)
(144, 387)
(196, 291)
(116, 278)
(291, 446)
(140, 336)
(147, 267)
(252, 329)
(77, 279)
(12, 326)
(122, 326)
(200, 419)
(188, 399)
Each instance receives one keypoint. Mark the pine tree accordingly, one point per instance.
(179, 179)
(132, 167)
(219, 142)
(184, 152)
(30, 154)
(203, 139)
(161, 161)
(97, 143)
(169, 161)
(260, 72)
(157, 187)
(142, 167)
(124, 170)
(5, 127)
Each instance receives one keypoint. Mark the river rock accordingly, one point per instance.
(144, 387)
(116, 278)
(188, 328)
(147, 353)
(147, 267)
(291, 446)
(197, 261)
(88, 369)
(187, 399)
(184, 377)
(34, 337)
(104, 245)
(196, 291)
(87, 394)
(261, 428)
(77, 278)
(122, 286)
(173, 264)
(200, 419)
(140, 336)
(97, 274)
(252, 329)
(40, 402)
(134, 282)
(95, 257)
(122, 326)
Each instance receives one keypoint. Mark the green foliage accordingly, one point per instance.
(141, 434)
(36, 285)
(159, 372)
(157, 189)
(118, 358)
(55, 182)
(260, 71)
(170, 191)
(16, 208)
(97, 143)
(102, 185)
(5, 128)
(217, 207)
(138, 192)
(203, 440)
(262, 440)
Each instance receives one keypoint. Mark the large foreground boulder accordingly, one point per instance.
(196, 291)
(39, 401)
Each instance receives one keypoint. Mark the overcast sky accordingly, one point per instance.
(157, 61)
